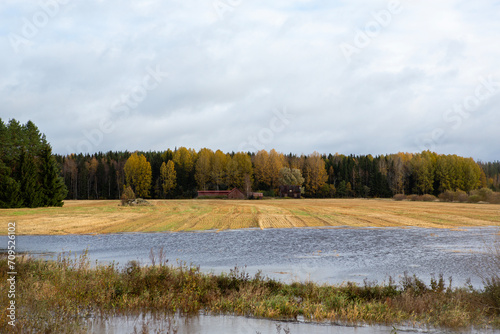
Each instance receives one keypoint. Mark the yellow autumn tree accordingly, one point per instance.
(276, 163)
(138, 174)
(203, 167)
(261, 170)
(184, 160)
(239, 171)
(267, 167)
(314, 173)
(219, 168)
(168, 177)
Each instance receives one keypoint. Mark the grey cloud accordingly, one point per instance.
(227, 75)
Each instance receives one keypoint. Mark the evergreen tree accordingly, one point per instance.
(30, 187)
(53, 188)
(10, 189)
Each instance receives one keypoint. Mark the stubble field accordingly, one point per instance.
(82, 217)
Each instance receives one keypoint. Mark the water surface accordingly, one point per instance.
(331, 255)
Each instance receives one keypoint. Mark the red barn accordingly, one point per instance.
(213, 193)
(231, 194)
(236, 194)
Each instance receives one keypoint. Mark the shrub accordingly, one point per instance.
(447, 196)
(428, 198)
(474, 199)
(412, 197)
(399, 197)
(495, 198)
(484, 194)
(128, 195)
(460, 196)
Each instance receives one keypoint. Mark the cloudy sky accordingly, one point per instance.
(360, 77)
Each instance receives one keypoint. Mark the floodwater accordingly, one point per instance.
(331, 255)
(204, 324)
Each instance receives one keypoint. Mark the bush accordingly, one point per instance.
(484, 193)
(399, 197)
(487, 195)
(128, 195)
(495, 198)
(412, 197)
(447, 196)
(454, 196)
(429, 198)
(474, 199)
(460, 196)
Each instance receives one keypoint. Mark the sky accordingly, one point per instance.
(353, 77)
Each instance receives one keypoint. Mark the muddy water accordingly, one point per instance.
(330, 255)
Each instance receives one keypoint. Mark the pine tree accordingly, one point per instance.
(53, 188)
(10, 189)
(30, 188)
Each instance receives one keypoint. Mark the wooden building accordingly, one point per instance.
(290, 191)
(235, 193)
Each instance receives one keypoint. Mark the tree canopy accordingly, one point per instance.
(29, 172)
(180, 172)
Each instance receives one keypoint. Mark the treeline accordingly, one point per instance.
(29, 173)
(179, 173)
(31, 176)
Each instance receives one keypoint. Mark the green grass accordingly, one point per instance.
(57, 296)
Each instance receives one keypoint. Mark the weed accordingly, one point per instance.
(58, 296)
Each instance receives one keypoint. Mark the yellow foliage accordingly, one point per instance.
(138, 174)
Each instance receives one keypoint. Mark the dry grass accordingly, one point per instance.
(80, 217)
(57, 297)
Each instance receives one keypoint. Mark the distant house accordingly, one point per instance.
(235, 193)
(255, 195)
(290, 191)
(213, 193)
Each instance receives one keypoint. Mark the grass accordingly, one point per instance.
(59, 296)
(81, 217)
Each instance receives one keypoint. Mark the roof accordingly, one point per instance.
(214, 192)
(235, 190)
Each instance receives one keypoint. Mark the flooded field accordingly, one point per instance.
(331, 255)
(205, 324)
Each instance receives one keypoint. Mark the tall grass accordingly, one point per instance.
(59, 296)
(489, 271)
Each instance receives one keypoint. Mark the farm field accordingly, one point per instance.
(83, 217)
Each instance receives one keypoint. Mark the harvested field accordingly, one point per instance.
(81, 217)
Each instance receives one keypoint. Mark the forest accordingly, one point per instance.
(30, 175)
(180, 172)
